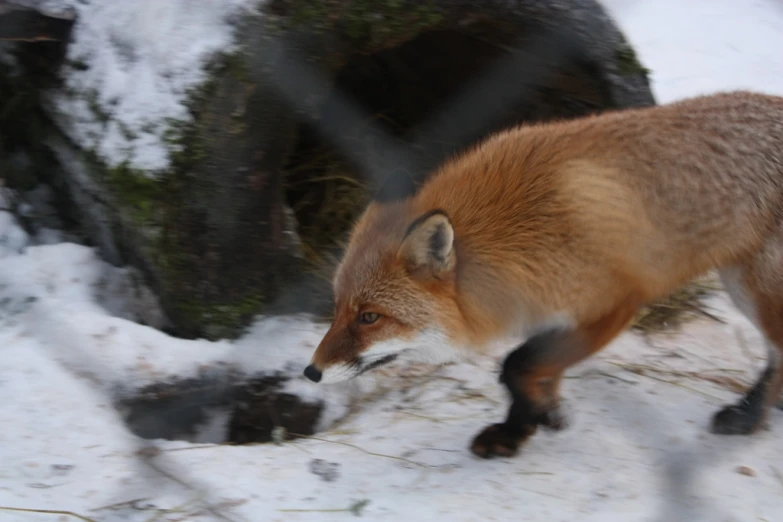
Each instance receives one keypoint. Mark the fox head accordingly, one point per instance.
(394, 293)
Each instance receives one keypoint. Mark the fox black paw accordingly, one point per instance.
(734, 420)
(498, 440)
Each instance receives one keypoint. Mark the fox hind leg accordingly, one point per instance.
(756, 288)
(748, 415)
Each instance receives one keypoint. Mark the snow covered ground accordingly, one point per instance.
(637, 448)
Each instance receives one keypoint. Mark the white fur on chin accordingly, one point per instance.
(428, 346)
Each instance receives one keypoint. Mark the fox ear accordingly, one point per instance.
(428, 245)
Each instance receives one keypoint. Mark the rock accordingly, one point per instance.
(32, 48)
(233, 202)
(34, 22)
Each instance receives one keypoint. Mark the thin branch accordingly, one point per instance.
(639, 370)
(48, 512)
(403, 459)
(128, 503)
(355, 508)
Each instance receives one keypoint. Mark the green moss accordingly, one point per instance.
(378, 23)
(138, 194)
(228, 64)
(220, 321)
(184, 141)
(628, 61)
(306, 13)
(370, 24)
(184, 145)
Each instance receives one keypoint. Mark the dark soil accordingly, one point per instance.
(181, 409)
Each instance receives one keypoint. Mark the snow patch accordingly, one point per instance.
(131, 65)
(698, 47)
(86, 314)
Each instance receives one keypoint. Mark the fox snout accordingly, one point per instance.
(360, 365)
(337, 350)
(343, 354)
(313, 373)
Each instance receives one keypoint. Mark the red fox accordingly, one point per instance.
(559, 232)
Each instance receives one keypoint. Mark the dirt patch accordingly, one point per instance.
(224, 408)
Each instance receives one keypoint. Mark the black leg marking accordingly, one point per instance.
(526, 412)
(539, 406)
(746, 416)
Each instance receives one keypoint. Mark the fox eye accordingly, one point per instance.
(368, 317)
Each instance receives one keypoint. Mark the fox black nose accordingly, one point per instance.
(312, 373)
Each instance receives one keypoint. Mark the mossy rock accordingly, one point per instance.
(272, 168)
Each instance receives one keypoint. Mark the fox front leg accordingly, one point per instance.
(534, 402)
(532, 375)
